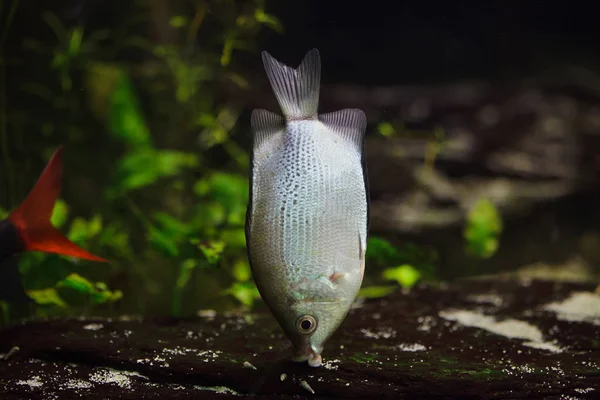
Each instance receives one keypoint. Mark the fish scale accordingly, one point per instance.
(309, 189)
(306, 224)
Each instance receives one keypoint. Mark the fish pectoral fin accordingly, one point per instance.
(362, 250)
(266, 125)
(336, 277)
(349, 124)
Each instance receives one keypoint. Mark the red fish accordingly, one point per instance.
(28, 228)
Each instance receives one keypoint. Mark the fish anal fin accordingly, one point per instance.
(48, 239)
(350, 124)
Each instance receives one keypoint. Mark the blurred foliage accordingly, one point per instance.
(405, 265)
(156, 161)
(406, 275)
(482, 230)
(156, 166)
(381, 253)
(71, 291)
(385, 129)
(375, 292)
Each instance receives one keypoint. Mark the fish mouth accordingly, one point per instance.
(308, 354)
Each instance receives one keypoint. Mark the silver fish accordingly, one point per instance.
(306, 223)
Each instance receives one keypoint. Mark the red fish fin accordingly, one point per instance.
(32, 217)
(49, 240)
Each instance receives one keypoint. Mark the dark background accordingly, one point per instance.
(535, 65)
(391, 42)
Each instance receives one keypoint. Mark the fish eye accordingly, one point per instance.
(306, 324)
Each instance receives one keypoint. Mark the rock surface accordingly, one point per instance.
(478, 339)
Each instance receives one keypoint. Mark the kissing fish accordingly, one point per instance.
(28, 228)
(307, 219)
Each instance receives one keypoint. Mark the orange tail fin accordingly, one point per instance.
(32, 218)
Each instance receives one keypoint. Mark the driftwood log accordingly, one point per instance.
(478, 339)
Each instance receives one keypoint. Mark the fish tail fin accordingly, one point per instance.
(32, 217)
(296, 89)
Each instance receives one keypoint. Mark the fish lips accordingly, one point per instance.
(309, 353)
(304, 350)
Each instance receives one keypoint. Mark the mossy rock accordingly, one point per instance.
(490, 339)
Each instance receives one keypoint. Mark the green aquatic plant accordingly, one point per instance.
(405, 265)
(97, 292)
(405, 275)
(70, 293)
(375, 292)
(245, 292)
(386, 129)
(434, 147)
(165, 197)
(46, 297)
(482, 229)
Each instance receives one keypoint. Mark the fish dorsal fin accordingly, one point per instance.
(349, 124)
(266, 125)
(296, 89)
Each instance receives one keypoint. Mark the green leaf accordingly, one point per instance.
(163, 242)
(144, 167)
(115, 236)
(406, 275)
(211, 214)
(381, 251)
(94, 226)
(375, 292)
(171, 226)
(125, 118)
(482, 230)
(385, 129)
(185, 272)
(186, 269)
(245, 292)
(228, 189)
(77, 283)
(269, 20)
(230, 192)
(212, 250)
(47, 297)
(178, 21)
(228, 47)
(239, 80)
(235, 238)
(103, 295)
(75, 41)
(59, 213)
(241, 271)
(78, 232)
(202, 187)
(98, 291)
